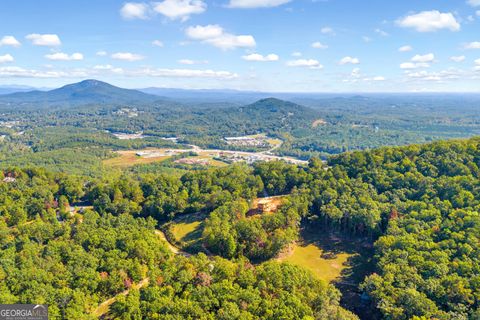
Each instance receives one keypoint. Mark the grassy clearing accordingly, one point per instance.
(341, 260)
(313, 258)
(187, 231)
(274, 142)
(182, 230)
(330, 256)
(212, 162)
(129, 158)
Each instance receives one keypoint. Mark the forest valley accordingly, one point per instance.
(418, 204)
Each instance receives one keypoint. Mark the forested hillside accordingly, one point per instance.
(418, 204)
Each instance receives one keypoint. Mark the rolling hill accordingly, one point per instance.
(81, 93)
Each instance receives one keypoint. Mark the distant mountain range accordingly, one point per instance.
(207, 95)
(81, 93)
(95, 92)
(7, 89)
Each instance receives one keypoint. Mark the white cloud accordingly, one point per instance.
(192, 62)
(477, 65)
(441, 76)
(108, 67)
(157, 43)
(127, 56)
(6, 58)
(9, 41)
(473, 45)
(477, 13)
(366, 39)
(408, 65)
(216, 36)
(296, 54)
(247, 4)
(405, 48)
(186, 61)
(419, 61)
(308, 63)
(319, 45)
(457, 58)
(374, 79)
(204, 32)
(18, 72)
(261, 58)
(166, 73)
(430, 21)
(430, 57)
(48, 40)
(349, 60)
(356, 76)
(381, 32)
(413, 65)
(60, 56)
(184, 73)
(230, 41)
(134, 10)
(474, 3)
(355, 73)
(101, 53)
(327, 30)
(180, 9)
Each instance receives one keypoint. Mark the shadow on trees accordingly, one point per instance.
(359, 265)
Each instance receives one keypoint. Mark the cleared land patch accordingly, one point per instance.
(318, 122)
(312, 258)
(186, 231)
(265, 205)
(330, 256)
(129, 158)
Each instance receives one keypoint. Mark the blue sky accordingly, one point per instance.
(261, 45)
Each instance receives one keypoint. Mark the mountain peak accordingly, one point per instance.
(87, 84)
(92, 82)
(88, 91)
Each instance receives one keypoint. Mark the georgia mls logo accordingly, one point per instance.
(23, 312)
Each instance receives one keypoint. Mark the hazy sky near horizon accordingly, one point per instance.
(262, 45)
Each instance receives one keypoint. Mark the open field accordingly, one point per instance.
(209, 158)
(186, 231)
(330, 256)
(313, 258)
(274, 142)
(129, 158)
